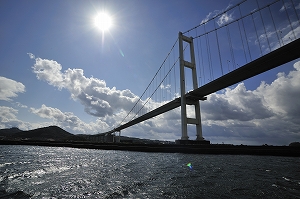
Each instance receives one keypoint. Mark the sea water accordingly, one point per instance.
(56, 172)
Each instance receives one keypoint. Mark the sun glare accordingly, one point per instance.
(103, 21)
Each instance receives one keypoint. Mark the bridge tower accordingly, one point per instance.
(184, 100)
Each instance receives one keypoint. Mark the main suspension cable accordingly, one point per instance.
(220, 14)
(150, 83)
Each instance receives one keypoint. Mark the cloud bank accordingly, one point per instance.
(98, 99)
(10, 88)
(68, 120)
(269, 112)
(8, 117)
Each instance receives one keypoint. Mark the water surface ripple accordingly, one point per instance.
(54, 172)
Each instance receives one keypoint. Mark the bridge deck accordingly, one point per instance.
(267, 62)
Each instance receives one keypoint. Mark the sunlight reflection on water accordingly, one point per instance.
(51, 172)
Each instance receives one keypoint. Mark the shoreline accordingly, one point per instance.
(214, 149)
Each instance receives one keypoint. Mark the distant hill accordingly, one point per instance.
(45, 133)
(8, 132)
(56, 133)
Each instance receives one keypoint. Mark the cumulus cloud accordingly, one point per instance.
(9, 88)
(49, 71)
(235, 104)
(97, 99)
(68, 120)
(269, 112)
(282, 95)
(8, 117)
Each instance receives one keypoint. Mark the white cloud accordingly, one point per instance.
(8, 118)
(162, 86)
(235, 104)
(209, 16)
(69, 121)
(49, 71)
(266, 114)
(21, 105)
(9, 88)
(97, 99)
(221, 19)
(31, 56)
(7, 114)
(287, 5)
(286, 36)
(224, 19)
(282, 96)
(290, 36)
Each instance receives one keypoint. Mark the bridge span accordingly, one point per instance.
(248, 43)
(267, 62)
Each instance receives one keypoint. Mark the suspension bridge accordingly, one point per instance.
(236, 44)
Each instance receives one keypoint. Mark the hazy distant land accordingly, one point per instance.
(57, 137)
(55, 133)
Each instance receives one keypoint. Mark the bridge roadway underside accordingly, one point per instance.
(267, 62)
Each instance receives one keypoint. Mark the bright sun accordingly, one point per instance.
(103, 21)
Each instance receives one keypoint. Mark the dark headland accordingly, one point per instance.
(56, 137)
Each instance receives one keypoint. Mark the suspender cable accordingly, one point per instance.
(275, 27)
(218, 15)
(198, 65)
(256, 34)
(156, 100)
(209, 55)
(228, 65)
(289, 20)
(231, 48)
(220, 59)
(139, 110)
(154, 78)
(242, 42)
(245, 35)
(242, 36)
(202, 61)
(295, 11)
(174, 76)
(263, 26)
(160, 86)
(170, 77)
(233, 21)
(164, 84)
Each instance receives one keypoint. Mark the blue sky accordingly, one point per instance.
(52, 54)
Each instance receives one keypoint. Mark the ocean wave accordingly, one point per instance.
(14, 195)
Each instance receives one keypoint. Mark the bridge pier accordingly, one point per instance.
(118, 137)
(189, 100)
